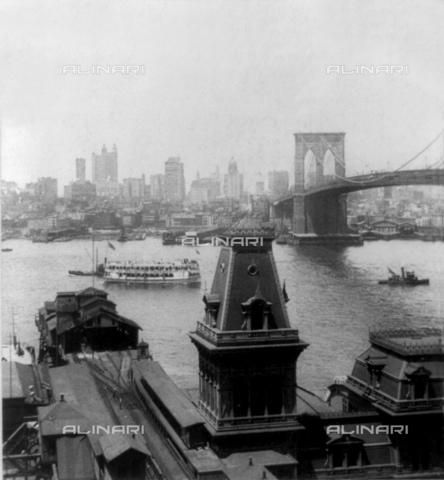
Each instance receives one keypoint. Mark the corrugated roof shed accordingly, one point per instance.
(169, 393)
(115, 445)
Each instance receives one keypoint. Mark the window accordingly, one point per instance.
(257, 316)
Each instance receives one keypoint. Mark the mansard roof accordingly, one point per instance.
(242, 272)
(409, 342)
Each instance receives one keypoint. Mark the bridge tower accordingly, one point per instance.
(319, 159)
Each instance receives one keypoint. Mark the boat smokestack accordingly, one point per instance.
(62, 397)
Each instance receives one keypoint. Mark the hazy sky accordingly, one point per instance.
(222, 79)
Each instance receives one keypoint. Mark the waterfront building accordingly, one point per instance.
(80, 170)
(400, 379)
(45, 188)
(233, 182)
(105, 172)
(74, 431)
(248, 351)
(78, 321)
(104, 219)
(278, 182)
(174, 180)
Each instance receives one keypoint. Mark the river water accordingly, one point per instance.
(334, 296)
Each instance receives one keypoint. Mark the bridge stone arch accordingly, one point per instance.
(319, 144)
(329, 167)
(310, 169)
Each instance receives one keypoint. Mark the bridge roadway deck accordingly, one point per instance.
(371, 180)
(129, 412)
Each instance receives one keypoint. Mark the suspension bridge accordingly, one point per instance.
(317, 206)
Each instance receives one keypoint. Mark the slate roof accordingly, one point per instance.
(234, 285)
(53, 418)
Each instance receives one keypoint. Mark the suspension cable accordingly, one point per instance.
(399, 168)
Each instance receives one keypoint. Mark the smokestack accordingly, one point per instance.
(62, 397)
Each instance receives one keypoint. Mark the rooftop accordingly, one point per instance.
(418, 341)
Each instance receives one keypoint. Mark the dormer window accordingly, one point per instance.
(212, 304)
(257, 312)
(419, 381)
(375, 365)
(257, 315)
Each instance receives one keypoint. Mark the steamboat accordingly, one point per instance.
(179, 271)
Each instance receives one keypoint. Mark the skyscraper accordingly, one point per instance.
(80, 170)
(134, 187)
(157, 184)
(278, 182)
(233, 182)
(174, 180)
(104, 172)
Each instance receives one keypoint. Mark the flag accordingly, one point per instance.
(284, 293)
(111, 245)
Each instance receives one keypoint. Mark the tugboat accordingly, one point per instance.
(172, 238)
(406, 278)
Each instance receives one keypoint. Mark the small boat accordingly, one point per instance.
(6, 249)
(406, 278)
(172, 238)
(179, 271)
(80, 273)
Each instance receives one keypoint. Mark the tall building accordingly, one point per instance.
(233, 182)
(174, 180)
(47, 189)
(248, 351)
(105, 172)
(260, 188)
(157, 184)
(204, 190)
(134, 187)
(80, 170)
(80, 191)
(278, 182)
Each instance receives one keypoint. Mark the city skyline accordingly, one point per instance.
(221, 80)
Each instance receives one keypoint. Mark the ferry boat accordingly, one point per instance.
(179, 271)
